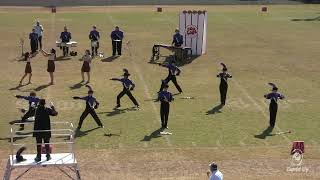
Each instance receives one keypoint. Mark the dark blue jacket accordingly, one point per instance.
(117, 35)
(177, 40)
(65, 36)
(94, 35)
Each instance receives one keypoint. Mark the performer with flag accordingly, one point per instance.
(173, 72)
(94, 36)
(91, 105)
(128, 86)
(273, 107)
(33, 102)
(224, 75)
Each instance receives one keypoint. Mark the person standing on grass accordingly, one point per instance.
(91, 105)
(33, 101)
(33, 36)
(273, 107)
(39, 30)
(128, 86)
(173, 72)
(214, 173)
(224, 76)
(65, 37)
(116, 37)
(51, 65)
(42, 128)
(28, 69)
(165, 98)
(86, 66)
(94, 36)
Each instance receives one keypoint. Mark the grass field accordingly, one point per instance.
(281, 46)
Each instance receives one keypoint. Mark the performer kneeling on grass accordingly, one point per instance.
(116, 37)
(51, 65)
(28, 69)
(86, 66)
(42, 128)
(94, 36)
(165, 98)
(91, 105)
(33, 102)
(128, 86)
(224, 75)
(273, 107)
(173, 72)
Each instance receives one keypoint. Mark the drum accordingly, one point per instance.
(297, 146)
(94, 43)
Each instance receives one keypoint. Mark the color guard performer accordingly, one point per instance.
(173, 72)
(86, 66)
(128, 86)
(116, 37)
(51, 65)
(91, 105)
(33, 102)
(28, 69)
(65, 37)
(94, 36)
(273, 107)
(165, 98)
(33, 36)
(224, 75)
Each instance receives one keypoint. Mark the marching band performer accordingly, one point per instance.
(273, 107)
(224, 75)
(173, 72)
(94, 36)
(51, 65)
(86, 66)
(116, 37)
(28, 69)
(65, 37)
(33, 36)
(165, 98)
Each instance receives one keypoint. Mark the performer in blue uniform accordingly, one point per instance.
(33, 102)
(116, 37)
(173, 72)
(65, 37)
(273, 107)
(177, 40)
(94, 36)
(224, 76)
(33, 36)
(165, 98)
(91, 105)
(128, 86)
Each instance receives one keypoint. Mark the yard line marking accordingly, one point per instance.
(146, 89)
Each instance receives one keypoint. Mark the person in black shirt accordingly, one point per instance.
(42, 127)
(273, 107)
(224, 75)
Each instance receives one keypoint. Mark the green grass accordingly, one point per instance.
(258, 48)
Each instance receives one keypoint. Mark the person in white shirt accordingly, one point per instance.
(39, 30)
(214, 173)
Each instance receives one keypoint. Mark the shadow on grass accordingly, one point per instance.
(76, 86)
(109, 59)
(307, 19)
(17, 87)
(80, 133)
(265, 133)
(118, 111)
(154, 134)
(41, 87)
(63, 58)
(215, 109)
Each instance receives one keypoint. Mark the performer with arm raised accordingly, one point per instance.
(173, 72)
(51, 65)
(224, 75)
(273, 107)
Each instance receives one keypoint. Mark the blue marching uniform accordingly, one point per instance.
(33, 42)
(65, 37)
(165, 98)
(223, 87)
(91, 105)
(33, 102)
(173, 72)
(273, 107)
(128, 86)
(177, 40)
(94, 36)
